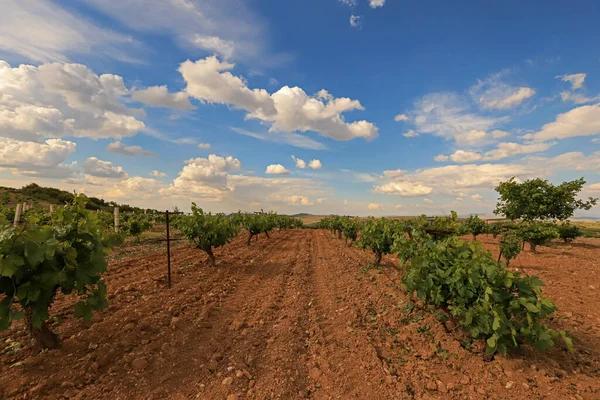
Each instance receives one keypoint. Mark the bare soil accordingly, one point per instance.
(297, 316)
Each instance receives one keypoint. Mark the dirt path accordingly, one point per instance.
(297, 316)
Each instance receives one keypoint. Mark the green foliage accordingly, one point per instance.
(537, 233)
(255, 224)
(492, 303)
(378, 235)
(445, 226)
(540, 199)
(135, 224)
(350, 228)
(510, 246)
(567, 232)
(208, 231)
(37, 260)
(475, 226)
(414, 227)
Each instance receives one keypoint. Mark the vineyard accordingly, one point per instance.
(263, 306)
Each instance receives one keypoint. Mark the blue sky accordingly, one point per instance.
(363, 107)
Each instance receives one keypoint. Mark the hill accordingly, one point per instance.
(45, 196)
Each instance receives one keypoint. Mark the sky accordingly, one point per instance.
(357, 107)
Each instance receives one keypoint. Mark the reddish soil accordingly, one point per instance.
(294, 317)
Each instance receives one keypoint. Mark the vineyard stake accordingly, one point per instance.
(116, 211)
(17, 215)
(168, 249)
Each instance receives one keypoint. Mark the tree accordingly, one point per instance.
(537, 234)
(540, 199)
(208, 231)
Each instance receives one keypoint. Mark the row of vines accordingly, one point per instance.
(479, 293)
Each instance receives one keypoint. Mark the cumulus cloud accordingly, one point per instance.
(580, 121)
(375, 206)
(159, 96)
(401, 117)
(298, 200)
(595, 187)
(404, 189)
(576, 80)
(277, 169)
(410, 133)
(393, 173)
(577, 98)
(299, 162)
(287, 110)
(58, 100)
(315, 164)
(45, 160)
(441, 158)
(204, 145)
(477, 197)
(102, 169)
(158, 174)
(498, 134)
(428, 200)
(120, 148)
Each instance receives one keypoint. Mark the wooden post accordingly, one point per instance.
(24, 206)
(116, 219)
(168, 249)
(18, 210)
(51, 208)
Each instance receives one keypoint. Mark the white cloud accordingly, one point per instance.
(288, 109)
(503, 150)
(58, 100)
(227, 27)
(290, 138)
(441, 158)
(298, 200)
(204, 146)
(492, 93)
(299, 162)
(595, 187)
(580, 121)
(42, 31)
(159, 96)
(120, 148)
(410, 134)
(428, 200)
(577, 98)
(404, 189)
(477, 197)
(498, 134)
(576, 80)
(398, 206)
(356, 21)
(375, 206)
(277, 169)
(350, 3)
(393, 173)
(36, 159)
(102, 169)
(401, 117)
(315, 164)
(158, 174)
(509, 149)
(447, 115)
(376, 3)
(462, 156)
(595, 140)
